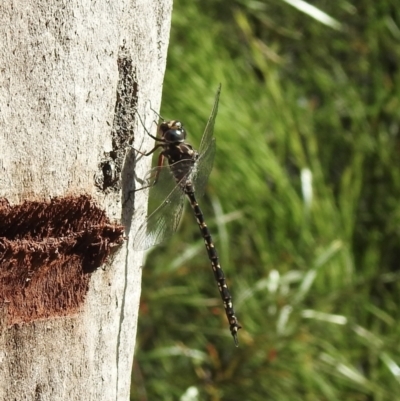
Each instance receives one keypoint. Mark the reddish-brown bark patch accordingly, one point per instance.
(47, 252)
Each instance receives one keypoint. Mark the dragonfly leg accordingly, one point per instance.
(157, 174)
(147, 132)
(157, 114)
(159, 165)
(147, 153)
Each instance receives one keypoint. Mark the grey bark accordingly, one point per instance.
(59, 78)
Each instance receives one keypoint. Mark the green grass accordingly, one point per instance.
(315, 285)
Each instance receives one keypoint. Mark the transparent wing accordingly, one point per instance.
(209, 131)
(164, 219)
(206, 151)
(202, 169)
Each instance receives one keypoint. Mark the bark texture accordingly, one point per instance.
(72, 76)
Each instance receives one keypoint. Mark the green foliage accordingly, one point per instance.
(315, 283)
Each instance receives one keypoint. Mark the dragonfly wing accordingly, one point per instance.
(209, 131)
(203, 169)
(166, 200)
(206, 151)
(162, 188)
(162, 222)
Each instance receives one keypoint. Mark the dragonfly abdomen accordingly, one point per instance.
(213, 256)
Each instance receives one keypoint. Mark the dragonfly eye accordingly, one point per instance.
(173, 131)
(175, 135)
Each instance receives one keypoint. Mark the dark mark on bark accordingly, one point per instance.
(108, 176)
(47, 252)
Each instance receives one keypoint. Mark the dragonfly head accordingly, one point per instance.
(172, 131)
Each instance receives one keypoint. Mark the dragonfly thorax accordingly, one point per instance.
(172, 131)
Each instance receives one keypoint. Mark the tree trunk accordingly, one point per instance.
(73, 75)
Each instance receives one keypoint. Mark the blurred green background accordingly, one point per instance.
(303, 204)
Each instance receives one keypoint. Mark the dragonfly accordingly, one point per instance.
(186, 174)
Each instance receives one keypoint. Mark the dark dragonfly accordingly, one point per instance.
(190, 170)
